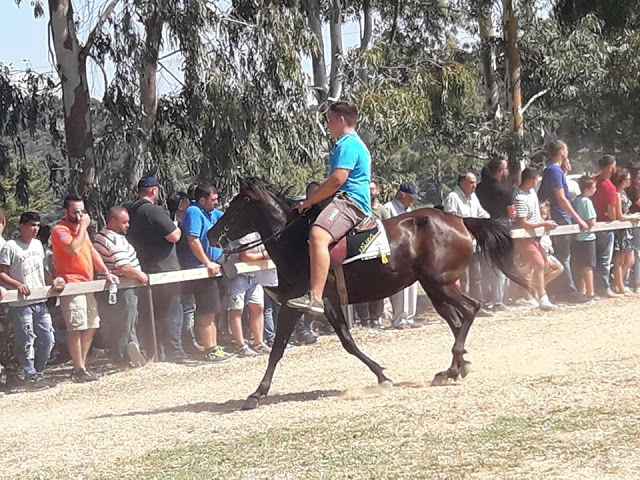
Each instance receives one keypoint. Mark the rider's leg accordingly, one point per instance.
(319, 241)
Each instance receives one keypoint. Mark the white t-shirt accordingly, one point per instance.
(26, 264)
(267, 278)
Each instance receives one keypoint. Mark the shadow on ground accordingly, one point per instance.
(231, 406)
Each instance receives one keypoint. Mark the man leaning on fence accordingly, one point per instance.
(154, 237)
(120, 320)
(22, 269)
(75, 259)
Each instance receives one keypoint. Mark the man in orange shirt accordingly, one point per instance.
(75, 258)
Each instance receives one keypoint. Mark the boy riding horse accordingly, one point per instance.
(349, 177)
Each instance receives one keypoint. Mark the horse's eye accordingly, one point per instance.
(246, 199)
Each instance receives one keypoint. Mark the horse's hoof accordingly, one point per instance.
(465, 369)
(439, 380)
(250, 403)
(386, 383)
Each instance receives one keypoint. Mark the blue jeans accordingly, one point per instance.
(119, 322)
(604, 256)
(34, 336)
(271, 308)
(564, 285)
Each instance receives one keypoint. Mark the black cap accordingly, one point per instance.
(410, 189)
(148, 181)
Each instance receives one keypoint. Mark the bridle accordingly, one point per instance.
(260, 241)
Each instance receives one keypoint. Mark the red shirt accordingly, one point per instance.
(605, 195)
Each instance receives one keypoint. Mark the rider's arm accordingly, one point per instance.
(330, 186)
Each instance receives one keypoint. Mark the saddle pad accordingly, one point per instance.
(368, 244)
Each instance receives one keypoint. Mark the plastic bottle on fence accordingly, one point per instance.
(113, 294)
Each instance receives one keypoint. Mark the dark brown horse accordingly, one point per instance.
(427, 245)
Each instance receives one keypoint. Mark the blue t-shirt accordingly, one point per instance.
(552, 179)
(197, 223)
(351, 154)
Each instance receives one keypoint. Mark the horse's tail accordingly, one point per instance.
(496, 245)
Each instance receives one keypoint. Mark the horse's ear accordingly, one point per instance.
(243, 184)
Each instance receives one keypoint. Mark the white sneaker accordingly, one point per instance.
(399, 323)
(545, 304)
(532, 303)
(245, 351)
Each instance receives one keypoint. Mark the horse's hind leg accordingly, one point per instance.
(287, 318)
(459, 311)
(339, 324)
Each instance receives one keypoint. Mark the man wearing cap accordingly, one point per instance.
(348, 188)
(154, 237)
(405, 302)
(463, 202)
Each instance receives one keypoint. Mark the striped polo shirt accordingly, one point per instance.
(527, 205)
(115, 250)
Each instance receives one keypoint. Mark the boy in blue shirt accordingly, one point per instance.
(349, 177)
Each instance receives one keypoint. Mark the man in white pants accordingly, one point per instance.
(404, 303)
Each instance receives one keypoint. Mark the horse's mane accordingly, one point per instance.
(258, 188)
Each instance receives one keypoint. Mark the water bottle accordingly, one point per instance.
(113, 294)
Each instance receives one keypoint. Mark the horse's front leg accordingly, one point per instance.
(287, 319)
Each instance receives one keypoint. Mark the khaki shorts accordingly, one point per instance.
(340, 216)
(80, 312)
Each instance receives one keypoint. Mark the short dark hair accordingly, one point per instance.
(606, 161)
(191, 191)
(28, 217)
(585, 182)
(203, 191)
(495, 165)
(174, 201)
(528, 173)
(71, 198)
(346, 110)
(554, 147)
(115, 212)
(311, 185)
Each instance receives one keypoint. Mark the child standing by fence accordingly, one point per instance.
(583, 248)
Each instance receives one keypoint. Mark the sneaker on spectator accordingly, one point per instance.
(247, 352)
(135, 355)
(261, 348)
(545, 304)
(499, 307)
(218, 355)
(83, 376)
(399, 323)
(611, 294)
(376, 323)
(306, 337)
(37, 382)
(483, 312)
(532, 303)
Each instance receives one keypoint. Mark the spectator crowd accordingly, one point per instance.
(222, 317)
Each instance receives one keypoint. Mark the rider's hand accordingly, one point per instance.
(304, 206)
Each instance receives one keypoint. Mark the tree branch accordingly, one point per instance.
(98, 26)
(104, 73)
(533, 99)
(171, 74)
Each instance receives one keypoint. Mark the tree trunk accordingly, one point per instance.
(394, 23)
(513, 82)
(148, 97)
(320, 87)
(487, 36)
(367, 35)
(71, 67)
(335, 32)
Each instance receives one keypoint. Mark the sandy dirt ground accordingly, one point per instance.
(577, 364)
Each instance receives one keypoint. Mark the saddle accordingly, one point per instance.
(368, 240)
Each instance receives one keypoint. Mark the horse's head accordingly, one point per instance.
(258, 207)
